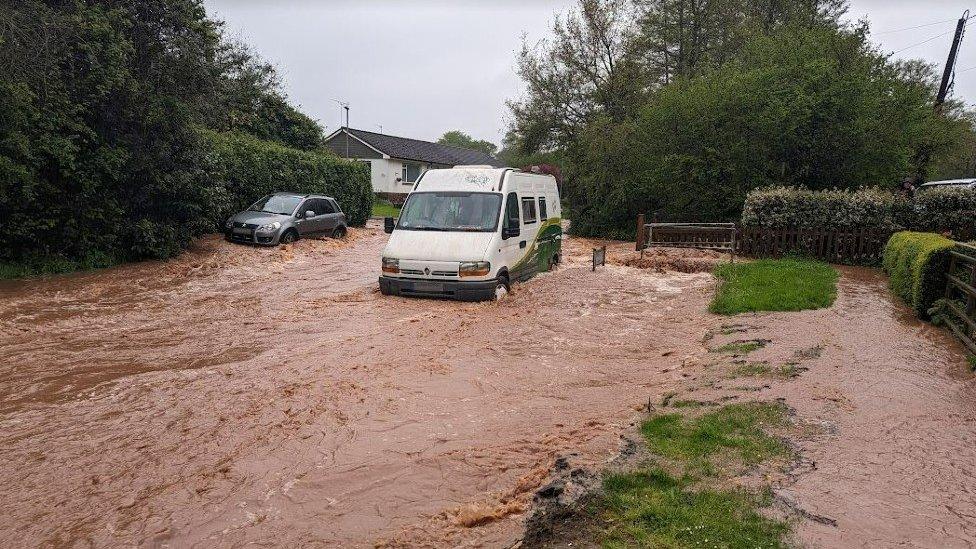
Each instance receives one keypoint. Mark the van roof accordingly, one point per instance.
(467, 178)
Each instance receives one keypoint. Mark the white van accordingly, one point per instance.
(467, 233)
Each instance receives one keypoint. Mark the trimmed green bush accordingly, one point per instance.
(916, 264)
(247, 168)
(946, 210)
(782, 207)
(950, 210)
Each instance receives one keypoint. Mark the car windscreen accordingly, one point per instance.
(451, 211)
(276, 204)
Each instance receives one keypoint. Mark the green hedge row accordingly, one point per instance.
(246, 168)
(916, 264)
(950, 210)
(945, 210)
(780, 207)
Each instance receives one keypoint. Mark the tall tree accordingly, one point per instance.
(585, 69)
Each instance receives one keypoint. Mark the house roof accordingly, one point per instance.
(423, 151)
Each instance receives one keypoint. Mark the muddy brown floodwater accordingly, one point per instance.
(242, 396)
(239, 396)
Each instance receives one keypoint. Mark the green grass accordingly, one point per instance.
(735, 431)
(740, 347)
(664, 506)
(774, 285)
(764, 369)
(385, 209)
(654, 509)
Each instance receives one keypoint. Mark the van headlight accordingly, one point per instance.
(474, 268)
(270, 227)
(391, 265)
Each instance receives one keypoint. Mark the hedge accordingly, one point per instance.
(946, 210)
(246, 168)
(916, 264)
(950, 210)
(782, 207)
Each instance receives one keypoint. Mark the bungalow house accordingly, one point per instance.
(397, 162)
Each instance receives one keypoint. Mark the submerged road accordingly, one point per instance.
(239, 395)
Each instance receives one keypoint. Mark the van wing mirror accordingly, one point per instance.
(388, 224)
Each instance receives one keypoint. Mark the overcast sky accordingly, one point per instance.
(419, 68)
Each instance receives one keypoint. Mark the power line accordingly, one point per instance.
(926, 41)
(915, 27)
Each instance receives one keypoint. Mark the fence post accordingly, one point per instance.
(640, 232)
(971, 300)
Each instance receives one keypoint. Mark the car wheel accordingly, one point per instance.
(288, 237)
(502, 289)
(339, 232)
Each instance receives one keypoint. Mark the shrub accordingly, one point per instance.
(946, 210)
(248, 168)
(916, 264)
(781, 207)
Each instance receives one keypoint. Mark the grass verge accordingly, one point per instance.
(774, 285)
(385, 209)
(682, 499)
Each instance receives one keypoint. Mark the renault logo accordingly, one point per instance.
(427, 271)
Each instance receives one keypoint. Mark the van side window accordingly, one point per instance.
(528, 210)
(543, 214)
(512, 211)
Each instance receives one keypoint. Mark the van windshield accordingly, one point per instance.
(451, 211)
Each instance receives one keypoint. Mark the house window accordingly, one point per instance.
(528, 210)
(543, 214)
(411, 173)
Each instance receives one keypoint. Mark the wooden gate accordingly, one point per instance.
(958, 309)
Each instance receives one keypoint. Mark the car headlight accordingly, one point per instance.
(391, 265)
(229, 224)
(475, 268)
(270, 227)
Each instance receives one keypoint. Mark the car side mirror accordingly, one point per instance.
(388, 225)
(309, 214)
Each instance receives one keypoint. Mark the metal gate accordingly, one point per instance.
(703, 236)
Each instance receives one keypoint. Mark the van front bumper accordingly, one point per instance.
(480, 290)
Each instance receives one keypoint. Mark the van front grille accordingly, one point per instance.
(418, 272)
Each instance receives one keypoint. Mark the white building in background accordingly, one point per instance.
(397, 162)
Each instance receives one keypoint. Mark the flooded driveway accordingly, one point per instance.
(241, 396)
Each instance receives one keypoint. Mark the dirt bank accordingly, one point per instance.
(240, 395)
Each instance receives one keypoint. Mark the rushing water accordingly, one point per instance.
(239, 395)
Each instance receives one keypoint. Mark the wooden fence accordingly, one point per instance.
(958, 309)
(856, 247)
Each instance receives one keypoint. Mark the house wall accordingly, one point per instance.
(385, 172)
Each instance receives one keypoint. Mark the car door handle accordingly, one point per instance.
(523, 244)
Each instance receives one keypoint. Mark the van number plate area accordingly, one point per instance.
(428, 287)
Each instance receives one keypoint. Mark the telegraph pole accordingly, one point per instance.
(949, 74)
(924, 154)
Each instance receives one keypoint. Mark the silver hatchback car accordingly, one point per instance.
(283, 218)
